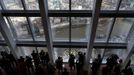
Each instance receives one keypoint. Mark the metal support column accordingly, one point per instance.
(5, 31)
(92, 31)
(130, 50)
(43, 4)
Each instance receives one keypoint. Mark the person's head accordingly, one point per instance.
(42, 50)
(120, 61)
(33, 51)
(99, 56)
(84, 53)
(2, 53)
(59, 57)
(21, 57)
(27, 57)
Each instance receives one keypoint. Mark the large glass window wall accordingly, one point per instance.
(21, 27)
(121, 30)
(79, 28)
(37, 29)
(60, 28)
(109, 4)
(13, 4)
(32, 4)
(103, 29)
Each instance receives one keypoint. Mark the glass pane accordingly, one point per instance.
(60, 28)
(42, 48)
(0, 8)
(25, 51)
(95, 53)
(79, 28)
(120, 52)
(37, 28)
(132, 62)
(62, 52)
(4, 48)
(109, 4)
(58, 4)
(127, 5)
(32, 4)
(20, 25)
(76, 50)
(103, 28)
(121, 29)
(13, 4)
(82, 4)
(1, 37)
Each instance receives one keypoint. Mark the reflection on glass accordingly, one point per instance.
(0, 8)
(62, 52)
(103, 28)
(109, 4)
(132, 59)
(42, 48)
(20, 25)
(13, 4)
(32, 4)
(121, 29)
(37, 28)
(5, 48)
(60, 28)
(75, 51)
(79, 28)
(132, 62)
(58, 4)
(95, 53)
(127, 5)
(25, 51)
(82, 4)
(120, 52)
(1, 37)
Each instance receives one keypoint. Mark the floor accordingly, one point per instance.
(71, 72)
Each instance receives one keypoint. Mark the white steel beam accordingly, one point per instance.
(43, 4)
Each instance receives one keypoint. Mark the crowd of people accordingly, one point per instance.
(37, 63)
(114, 66)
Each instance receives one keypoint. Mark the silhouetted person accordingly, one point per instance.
(128, 71)
(71, 61)
(59, 63)
(39, 70)
(117, 68)
(112, 61)
(81, 59)
(78, 67)
(12, 61)
(51, 69)
(29, 64)
(42, 56)
(5, 63)
(99, 59)
(65, 72)
(35, 58)
(46, 58)
(95, 66)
